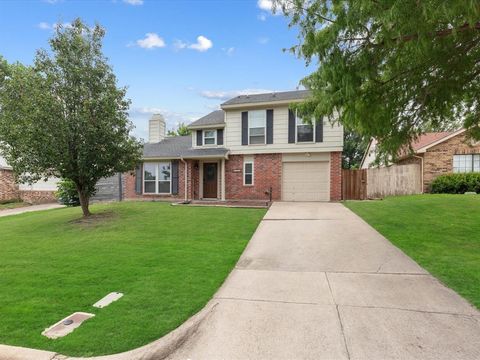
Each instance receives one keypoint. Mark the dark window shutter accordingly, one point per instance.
(319, 131)
(291, 126)
(220, 137)
(138, 179)
(270, 126)
(199, 137)
(244, 127)
(175, 177)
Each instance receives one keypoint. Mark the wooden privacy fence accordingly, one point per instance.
(380, 182)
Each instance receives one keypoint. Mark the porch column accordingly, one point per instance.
(223, 180)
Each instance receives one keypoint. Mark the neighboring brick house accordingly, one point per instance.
(8, 187)
(437, 154)
(40, 192)
(253, 148)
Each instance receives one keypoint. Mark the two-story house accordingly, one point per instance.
(254, 148)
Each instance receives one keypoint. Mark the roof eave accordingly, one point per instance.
(210, 126)
(259, 104)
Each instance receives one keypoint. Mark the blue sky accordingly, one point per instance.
(180, 58)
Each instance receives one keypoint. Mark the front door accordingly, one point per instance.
(210, 181)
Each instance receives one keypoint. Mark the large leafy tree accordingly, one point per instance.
(390, 69)
(65, 116)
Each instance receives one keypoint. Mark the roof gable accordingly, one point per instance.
(216, 117)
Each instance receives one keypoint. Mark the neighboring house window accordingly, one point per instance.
(210, 137)
(157, 178)
(257, 121)
(466, 163)
(248, 173)
(305, 131)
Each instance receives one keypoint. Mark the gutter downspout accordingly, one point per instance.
(186, 178)
(421, 168)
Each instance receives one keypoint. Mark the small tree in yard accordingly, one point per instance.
(65, 116)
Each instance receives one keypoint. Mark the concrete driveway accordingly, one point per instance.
(317, 282)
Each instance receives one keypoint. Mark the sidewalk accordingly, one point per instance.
(29, 209)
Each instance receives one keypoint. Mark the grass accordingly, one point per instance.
(12, 205)
(167, 260)
(440, 232)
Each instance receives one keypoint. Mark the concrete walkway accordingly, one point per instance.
(317, 282)
(25, 209)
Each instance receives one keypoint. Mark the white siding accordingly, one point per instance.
(332, 136)
(49, 185)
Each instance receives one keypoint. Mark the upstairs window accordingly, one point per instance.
(157, 178)
(466, 163)
(210, 137)
(257, 121)
(305, 131)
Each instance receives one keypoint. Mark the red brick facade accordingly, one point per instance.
(267, 174)
(8, 187)
(336, 176)
(438, 160)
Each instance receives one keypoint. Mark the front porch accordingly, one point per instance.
(204, 179)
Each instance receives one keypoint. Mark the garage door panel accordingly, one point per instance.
(306, 181)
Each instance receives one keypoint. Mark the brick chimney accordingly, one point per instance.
(156, 128)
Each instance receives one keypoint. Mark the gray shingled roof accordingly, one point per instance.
(269, 97)
(179, 146)
(216, 117)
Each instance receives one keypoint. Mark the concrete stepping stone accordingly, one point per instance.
(108, 299)
(66, 325)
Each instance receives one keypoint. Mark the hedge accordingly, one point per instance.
(456, 183)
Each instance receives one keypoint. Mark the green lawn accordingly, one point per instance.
(440, 232)
(167, 260)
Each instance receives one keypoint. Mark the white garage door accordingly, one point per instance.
(306, 181)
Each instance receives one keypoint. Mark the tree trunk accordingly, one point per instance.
(84, 201)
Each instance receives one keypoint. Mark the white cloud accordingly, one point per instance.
(179, 44)
(44, 26)
(140, 116)
(229, 51)
(228, 94)
(266, 5)
(151, 41)
(202, 44)
(51, 1)
(133, 2)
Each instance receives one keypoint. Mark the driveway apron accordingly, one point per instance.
(317, 282)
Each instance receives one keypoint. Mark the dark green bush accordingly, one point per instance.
(67, 193)
(456, 183)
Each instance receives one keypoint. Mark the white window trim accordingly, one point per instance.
(253, 172)
(157, 179)
(296, 132)
(264, 128)
(214, 137)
